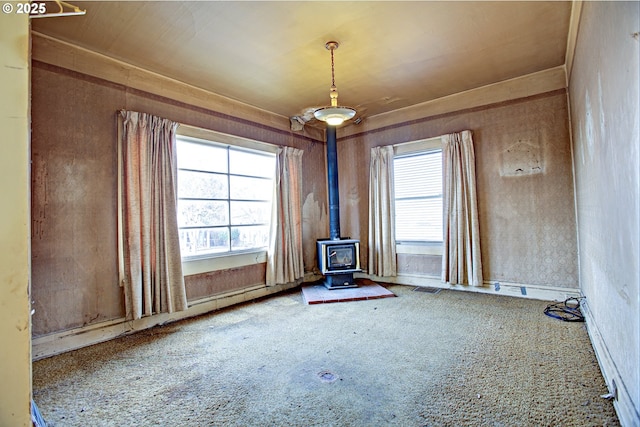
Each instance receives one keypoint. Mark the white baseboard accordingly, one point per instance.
(627, 412)
(539, 292)
(60, 342)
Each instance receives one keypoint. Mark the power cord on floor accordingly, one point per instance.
(568, 310)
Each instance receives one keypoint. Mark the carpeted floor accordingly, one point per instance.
(421, 359)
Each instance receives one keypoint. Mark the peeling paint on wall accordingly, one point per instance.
(523, 157)
(314, 226)
(39, 197)
(589, 133)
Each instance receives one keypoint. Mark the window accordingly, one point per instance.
(418, 196)
(224, 197)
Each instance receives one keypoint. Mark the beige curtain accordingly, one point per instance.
(284, 259)
(461, 260)
(151, 266)
(382, 241)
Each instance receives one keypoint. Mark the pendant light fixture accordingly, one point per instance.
(334, 115)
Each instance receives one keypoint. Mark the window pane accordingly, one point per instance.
(201, 157)
(202, 241)
(249, 237)
(202, 185)
(252, 164)
(419, 220)
(246, 188)
(220, 186)
(244, 213)
(202, 213)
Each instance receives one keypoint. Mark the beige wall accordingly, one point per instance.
(604, 93)
(15, 325)
(524, 180)
(74, 247)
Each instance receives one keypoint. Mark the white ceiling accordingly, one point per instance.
(271, 54)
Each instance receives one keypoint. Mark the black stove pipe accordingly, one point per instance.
(332, 188)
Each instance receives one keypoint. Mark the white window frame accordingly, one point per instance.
(221, 261)
(416, 147)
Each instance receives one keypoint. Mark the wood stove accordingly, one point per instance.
(337, 261)
(338, 258)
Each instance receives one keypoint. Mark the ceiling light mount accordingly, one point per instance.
(334, 115)
(332, 45)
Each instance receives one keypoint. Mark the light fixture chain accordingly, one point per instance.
(333, 79)
(333, 115)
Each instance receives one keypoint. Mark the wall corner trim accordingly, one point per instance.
(97, 67)
(572, 36)
(518, 88)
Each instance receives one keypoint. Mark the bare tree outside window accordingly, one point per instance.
(224, 197)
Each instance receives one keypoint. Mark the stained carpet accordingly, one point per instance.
(420, 359)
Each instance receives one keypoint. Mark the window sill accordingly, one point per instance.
(419, 248)
(224, 262)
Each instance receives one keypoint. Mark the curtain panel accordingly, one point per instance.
(461, 259)
(284, 258)
(151, 267)
(382, 242)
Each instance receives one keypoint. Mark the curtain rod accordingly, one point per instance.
(431, 139)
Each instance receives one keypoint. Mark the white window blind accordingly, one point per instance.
(418, 196)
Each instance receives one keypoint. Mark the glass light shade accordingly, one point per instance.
(334, 116)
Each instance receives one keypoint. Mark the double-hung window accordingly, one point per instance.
(418, 196)
(224, 197)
